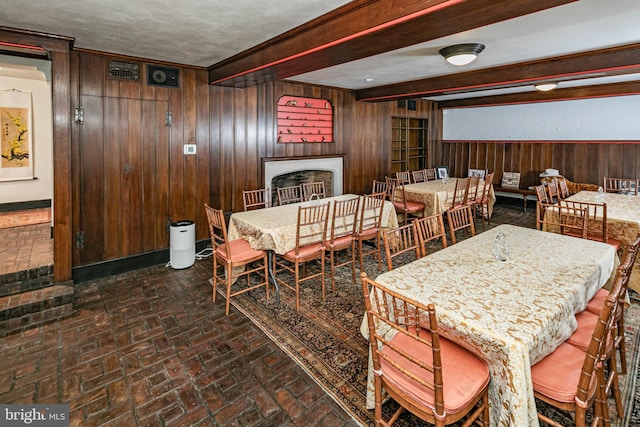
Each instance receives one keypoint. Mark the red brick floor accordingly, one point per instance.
(149, 348)
(25, 248)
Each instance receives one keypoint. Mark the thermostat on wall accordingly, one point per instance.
(189, 148)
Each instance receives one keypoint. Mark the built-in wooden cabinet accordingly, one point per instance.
(408, 144)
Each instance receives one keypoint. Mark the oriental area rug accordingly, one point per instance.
(324, 339)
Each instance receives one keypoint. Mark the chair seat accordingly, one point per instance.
(409, 206)
(557, 375)
(581, 337)
(368, 233)
(597, 302)
(241, 252)
(305, 252)
(340, 243)
(464, 374)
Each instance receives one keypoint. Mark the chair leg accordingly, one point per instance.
(353, 261)
(297, 271)
(214, 278)
(612, 383)
(228, 274)
(622, 349)
(332, 261)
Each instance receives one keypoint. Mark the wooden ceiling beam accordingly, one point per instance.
(598, 63)
(581, 92)
(364, 28)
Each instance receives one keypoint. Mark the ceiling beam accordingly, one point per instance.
(581, 92)
(364, 28)
(598, 63)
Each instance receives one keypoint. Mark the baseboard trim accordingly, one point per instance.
(86, 273)
(23, 206)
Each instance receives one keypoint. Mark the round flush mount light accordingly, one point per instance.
(545, 87)
(462, 54)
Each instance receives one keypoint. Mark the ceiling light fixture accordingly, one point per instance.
(545, 87)
(462, 54)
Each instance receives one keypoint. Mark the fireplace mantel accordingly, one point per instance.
(274, 166)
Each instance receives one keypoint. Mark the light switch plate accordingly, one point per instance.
(189, 148)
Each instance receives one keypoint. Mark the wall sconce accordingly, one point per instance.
(462, 54)
(545, 87)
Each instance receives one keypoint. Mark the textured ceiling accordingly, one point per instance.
(202, 33)
(192, 32)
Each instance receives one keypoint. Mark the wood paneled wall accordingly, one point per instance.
(578, 161)
(124, 211)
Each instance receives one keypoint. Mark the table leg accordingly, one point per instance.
(272, 276)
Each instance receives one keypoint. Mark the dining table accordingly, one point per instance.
(437, 195)
(623, 221)
(274, 229)
(511, 312)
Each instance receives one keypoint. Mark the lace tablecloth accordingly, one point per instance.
(438, 196)
(275, 228)
(512, 313)
(623, 222)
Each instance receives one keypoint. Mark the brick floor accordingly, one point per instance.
(149, 348)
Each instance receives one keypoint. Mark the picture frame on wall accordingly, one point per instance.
(442, 171)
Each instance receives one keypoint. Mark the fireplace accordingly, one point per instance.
(283, 172)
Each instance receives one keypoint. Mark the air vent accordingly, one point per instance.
(122, 70)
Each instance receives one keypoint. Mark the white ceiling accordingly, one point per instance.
(202, 33)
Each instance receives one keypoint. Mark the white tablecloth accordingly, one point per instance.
(438, 196)
(512, 313)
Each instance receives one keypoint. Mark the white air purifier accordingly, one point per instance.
(182, 244)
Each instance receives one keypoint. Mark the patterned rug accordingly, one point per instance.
(324, 338)
(26, 217)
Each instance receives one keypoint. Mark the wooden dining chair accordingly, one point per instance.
(369, 225)
(403, 177)
(418, 176)
(383, 187)
(620, 185)
(460, 218)
(313, 190)
(597, 302)
(401, 241)
(541, 194)
(472, 192)
(460, 192)
(342, 231)
(288, 195)
(596, 221)
(430, 229)
(405, 207)
(230, 254)
(563, 219)
(563, 188)
(573, 380)
(430, 174)
(429, 375)
(553, 193)
(482, 199)
(311, 236)
(581, 339)
(256, 199)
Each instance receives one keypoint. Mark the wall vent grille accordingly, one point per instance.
(123, 70)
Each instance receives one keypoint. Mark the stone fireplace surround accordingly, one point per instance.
(275, 166)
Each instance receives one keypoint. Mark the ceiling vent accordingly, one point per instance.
(123, 70)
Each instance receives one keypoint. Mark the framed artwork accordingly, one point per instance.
(442, 171)
(304, 120)
(16, 145)
(511, 179)
(477, 172)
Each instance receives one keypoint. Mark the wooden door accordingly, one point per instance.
(123, 191)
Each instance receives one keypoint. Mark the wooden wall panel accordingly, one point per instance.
(586, 162)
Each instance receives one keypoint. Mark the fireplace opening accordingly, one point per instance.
(300, 177)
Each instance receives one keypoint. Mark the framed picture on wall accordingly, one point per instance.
(442, 171)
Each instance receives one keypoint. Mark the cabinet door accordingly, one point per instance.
(123, 173)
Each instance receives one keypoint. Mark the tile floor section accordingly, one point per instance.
(149, 348)
(25, 248)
